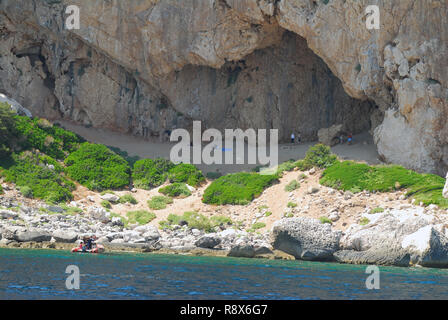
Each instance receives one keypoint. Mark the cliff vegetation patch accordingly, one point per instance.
(98, 168)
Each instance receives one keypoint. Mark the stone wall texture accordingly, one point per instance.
(146, 66)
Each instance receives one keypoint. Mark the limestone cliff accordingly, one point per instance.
(145, 66)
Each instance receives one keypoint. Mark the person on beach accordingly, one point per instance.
(89, 243)
(350, 139)
(293, 138)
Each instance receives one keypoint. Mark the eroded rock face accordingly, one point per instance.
(305, 238)
(146, 66)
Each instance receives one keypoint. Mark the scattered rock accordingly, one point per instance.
(208, 242)
(5, 214)
(428, 246)
(55, 209)
(305, 238)
(334, 216)
(110, 197)
(313, 190)
(65, 236)
(330, 136)
(242, 251)
(34, 236)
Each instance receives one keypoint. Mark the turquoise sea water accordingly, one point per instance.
(40, 274)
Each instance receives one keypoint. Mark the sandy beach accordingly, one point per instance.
(363, 149)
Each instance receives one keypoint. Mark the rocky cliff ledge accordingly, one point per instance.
(146, 66)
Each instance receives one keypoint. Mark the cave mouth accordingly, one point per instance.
(285, 87)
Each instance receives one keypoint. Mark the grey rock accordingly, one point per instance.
(428, 246)
(208, 242)
(385, 256)
(390, 226)
(65, 236)
(110, 197)
(305, 238)
(116, 221)
(55, 209)
(6, 214)
(242, 251)
(35, 236)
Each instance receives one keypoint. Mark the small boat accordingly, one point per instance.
(97, 248)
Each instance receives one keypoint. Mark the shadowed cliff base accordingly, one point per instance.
(362, 149)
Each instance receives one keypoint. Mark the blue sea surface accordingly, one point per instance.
(40, 274)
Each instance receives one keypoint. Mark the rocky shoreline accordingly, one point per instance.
(406, 236)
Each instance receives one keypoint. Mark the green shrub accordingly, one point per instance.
(159, 202)
(325, 220)
(1, 190)
(364, 221)
(70, 210)
(8, 131)
(186, 173)
(26, 170)
(293, 185)
(302, 176)
(238, 188)
(27, 192)
(257, 226)
(47, 138)
(319, 156)
(148, 173)
(106, 204)
(97, 168)
(286, 167)
(426, 188)
(128, 198)
(292, 205)
(376, 210)
(220, 221)
(268, 213)
(194, 220)
(141, 217)
(104, 192)
(176, 190)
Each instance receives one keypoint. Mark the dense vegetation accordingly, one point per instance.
(35, 178)
(7, 130)
(148, 173)
(97, 167)
(186, 173)
(238, 188)
(159, 202)
(32, 151)
(176, 190)
(49, 139)
(141, 217)
(349, 175)
(195, 220)
(318, 156)
(128, 198)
